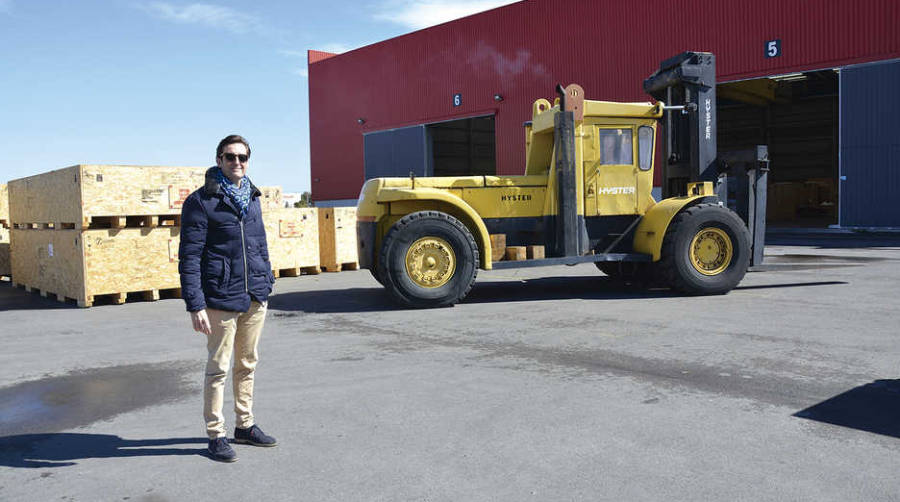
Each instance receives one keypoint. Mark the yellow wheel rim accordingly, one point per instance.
(430, 262)
(711, 251)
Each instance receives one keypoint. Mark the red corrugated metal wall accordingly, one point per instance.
(522, 50)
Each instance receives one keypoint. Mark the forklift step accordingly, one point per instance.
(572, 260)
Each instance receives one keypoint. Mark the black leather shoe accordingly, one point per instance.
(254, 435)
(220, 450)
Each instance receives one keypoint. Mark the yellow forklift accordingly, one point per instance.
(585, 197)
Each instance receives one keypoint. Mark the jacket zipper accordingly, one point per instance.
(244, 254)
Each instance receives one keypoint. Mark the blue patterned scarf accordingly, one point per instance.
(240, 195)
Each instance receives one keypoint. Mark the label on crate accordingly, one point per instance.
(289, 229)
(177, 196)
(50, 249)
(151, 195)
(173, 250)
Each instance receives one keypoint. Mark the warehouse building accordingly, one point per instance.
(815, 82)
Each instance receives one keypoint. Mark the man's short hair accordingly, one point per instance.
(232, 138)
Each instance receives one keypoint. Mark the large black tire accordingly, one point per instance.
(706, 251)
(428, 259)
(376, 275)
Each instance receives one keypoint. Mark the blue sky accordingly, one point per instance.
(161, 82)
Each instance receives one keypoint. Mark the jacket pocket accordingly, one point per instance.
(216, 273)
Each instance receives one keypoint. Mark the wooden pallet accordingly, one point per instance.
(296, 271)
(338, 267)
(108, 298)
(106, 222)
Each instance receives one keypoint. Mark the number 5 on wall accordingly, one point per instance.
(773, 48)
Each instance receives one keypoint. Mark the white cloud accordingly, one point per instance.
(417, 14)
(213, 16)
(335, 48)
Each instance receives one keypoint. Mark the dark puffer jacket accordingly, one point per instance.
(223, 258)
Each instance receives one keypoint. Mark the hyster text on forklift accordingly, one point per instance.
(585, 197)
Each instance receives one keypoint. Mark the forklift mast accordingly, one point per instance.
(686, 84)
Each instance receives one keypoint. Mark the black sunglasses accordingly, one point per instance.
(231, 157)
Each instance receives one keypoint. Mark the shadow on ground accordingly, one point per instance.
(377, 299)
(63, 449)
(18, 299)
(873, 407)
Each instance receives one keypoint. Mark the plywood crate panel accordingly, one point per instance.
(83, 264)
(74, 195)
(49, 260)
(4, 206)
(292, 236)
(271, 198)
(5, 267)
(4, 232)
(337, 238)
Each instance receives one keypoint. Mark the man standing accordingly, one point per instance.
(226, 279)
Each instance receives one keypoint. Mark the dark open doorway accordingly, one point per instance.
(796, 115)
(464, 147)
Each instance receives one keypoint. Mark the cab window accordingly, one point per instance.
(615, 147)
(645, 147)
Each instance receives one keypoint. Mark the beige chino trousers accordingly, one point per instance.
(236, 332)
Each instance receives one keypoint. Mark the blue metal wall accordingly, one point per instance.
(397, 152)
(870, 145)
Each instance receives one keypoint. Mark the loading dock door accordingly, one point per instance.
(870, 145)
(397, 152)
(461, 147)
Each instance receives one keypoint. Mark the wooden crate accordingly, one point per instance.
(4, 232)
(337, 239)
(5, 268)
(498, 246)
(783, 200)
(82, 265)
(4, 206)
(82, 196)
(292, 236)
(271, 198)
(516, 253)
(534, 252)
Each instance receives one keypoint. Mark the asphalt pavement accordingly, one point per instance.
(545, 384)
